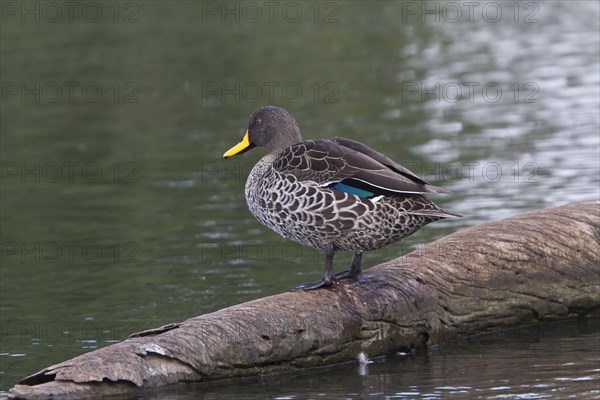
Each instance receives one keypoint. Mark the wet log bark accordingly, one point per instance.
(538, 266)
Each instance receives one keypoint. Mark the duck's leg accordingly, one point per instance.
(354, 268)
(327, 272)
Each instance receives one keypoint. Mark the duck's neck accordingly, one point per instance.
(259, 171)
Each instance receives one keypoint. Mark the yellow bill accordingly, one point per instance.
(239, 148)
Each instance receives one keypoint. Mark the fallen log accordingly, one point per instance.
(538, 266)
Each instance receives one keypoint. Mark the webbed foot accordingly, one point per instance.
(312, 285)
(351, 273)
(354, 270)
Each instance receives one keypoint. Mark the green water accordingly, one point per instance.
(119, 214)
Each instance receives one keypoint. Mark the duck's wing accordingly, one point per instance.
(388, 162)
(351, 167)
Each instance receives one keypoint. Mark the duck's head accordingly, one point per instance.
(270, 127)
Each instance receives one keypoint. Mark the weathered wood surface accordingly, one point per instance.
(538, 266)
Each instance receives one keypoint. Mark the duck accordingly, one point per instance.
(332, 194)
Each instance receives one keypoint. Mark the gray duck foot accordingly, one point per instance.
(312, 285)
(346, 274)
(354, 270)
(327, 278)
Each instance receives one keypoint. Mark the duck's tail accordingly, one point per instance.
(421, 205)
(440, 213)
